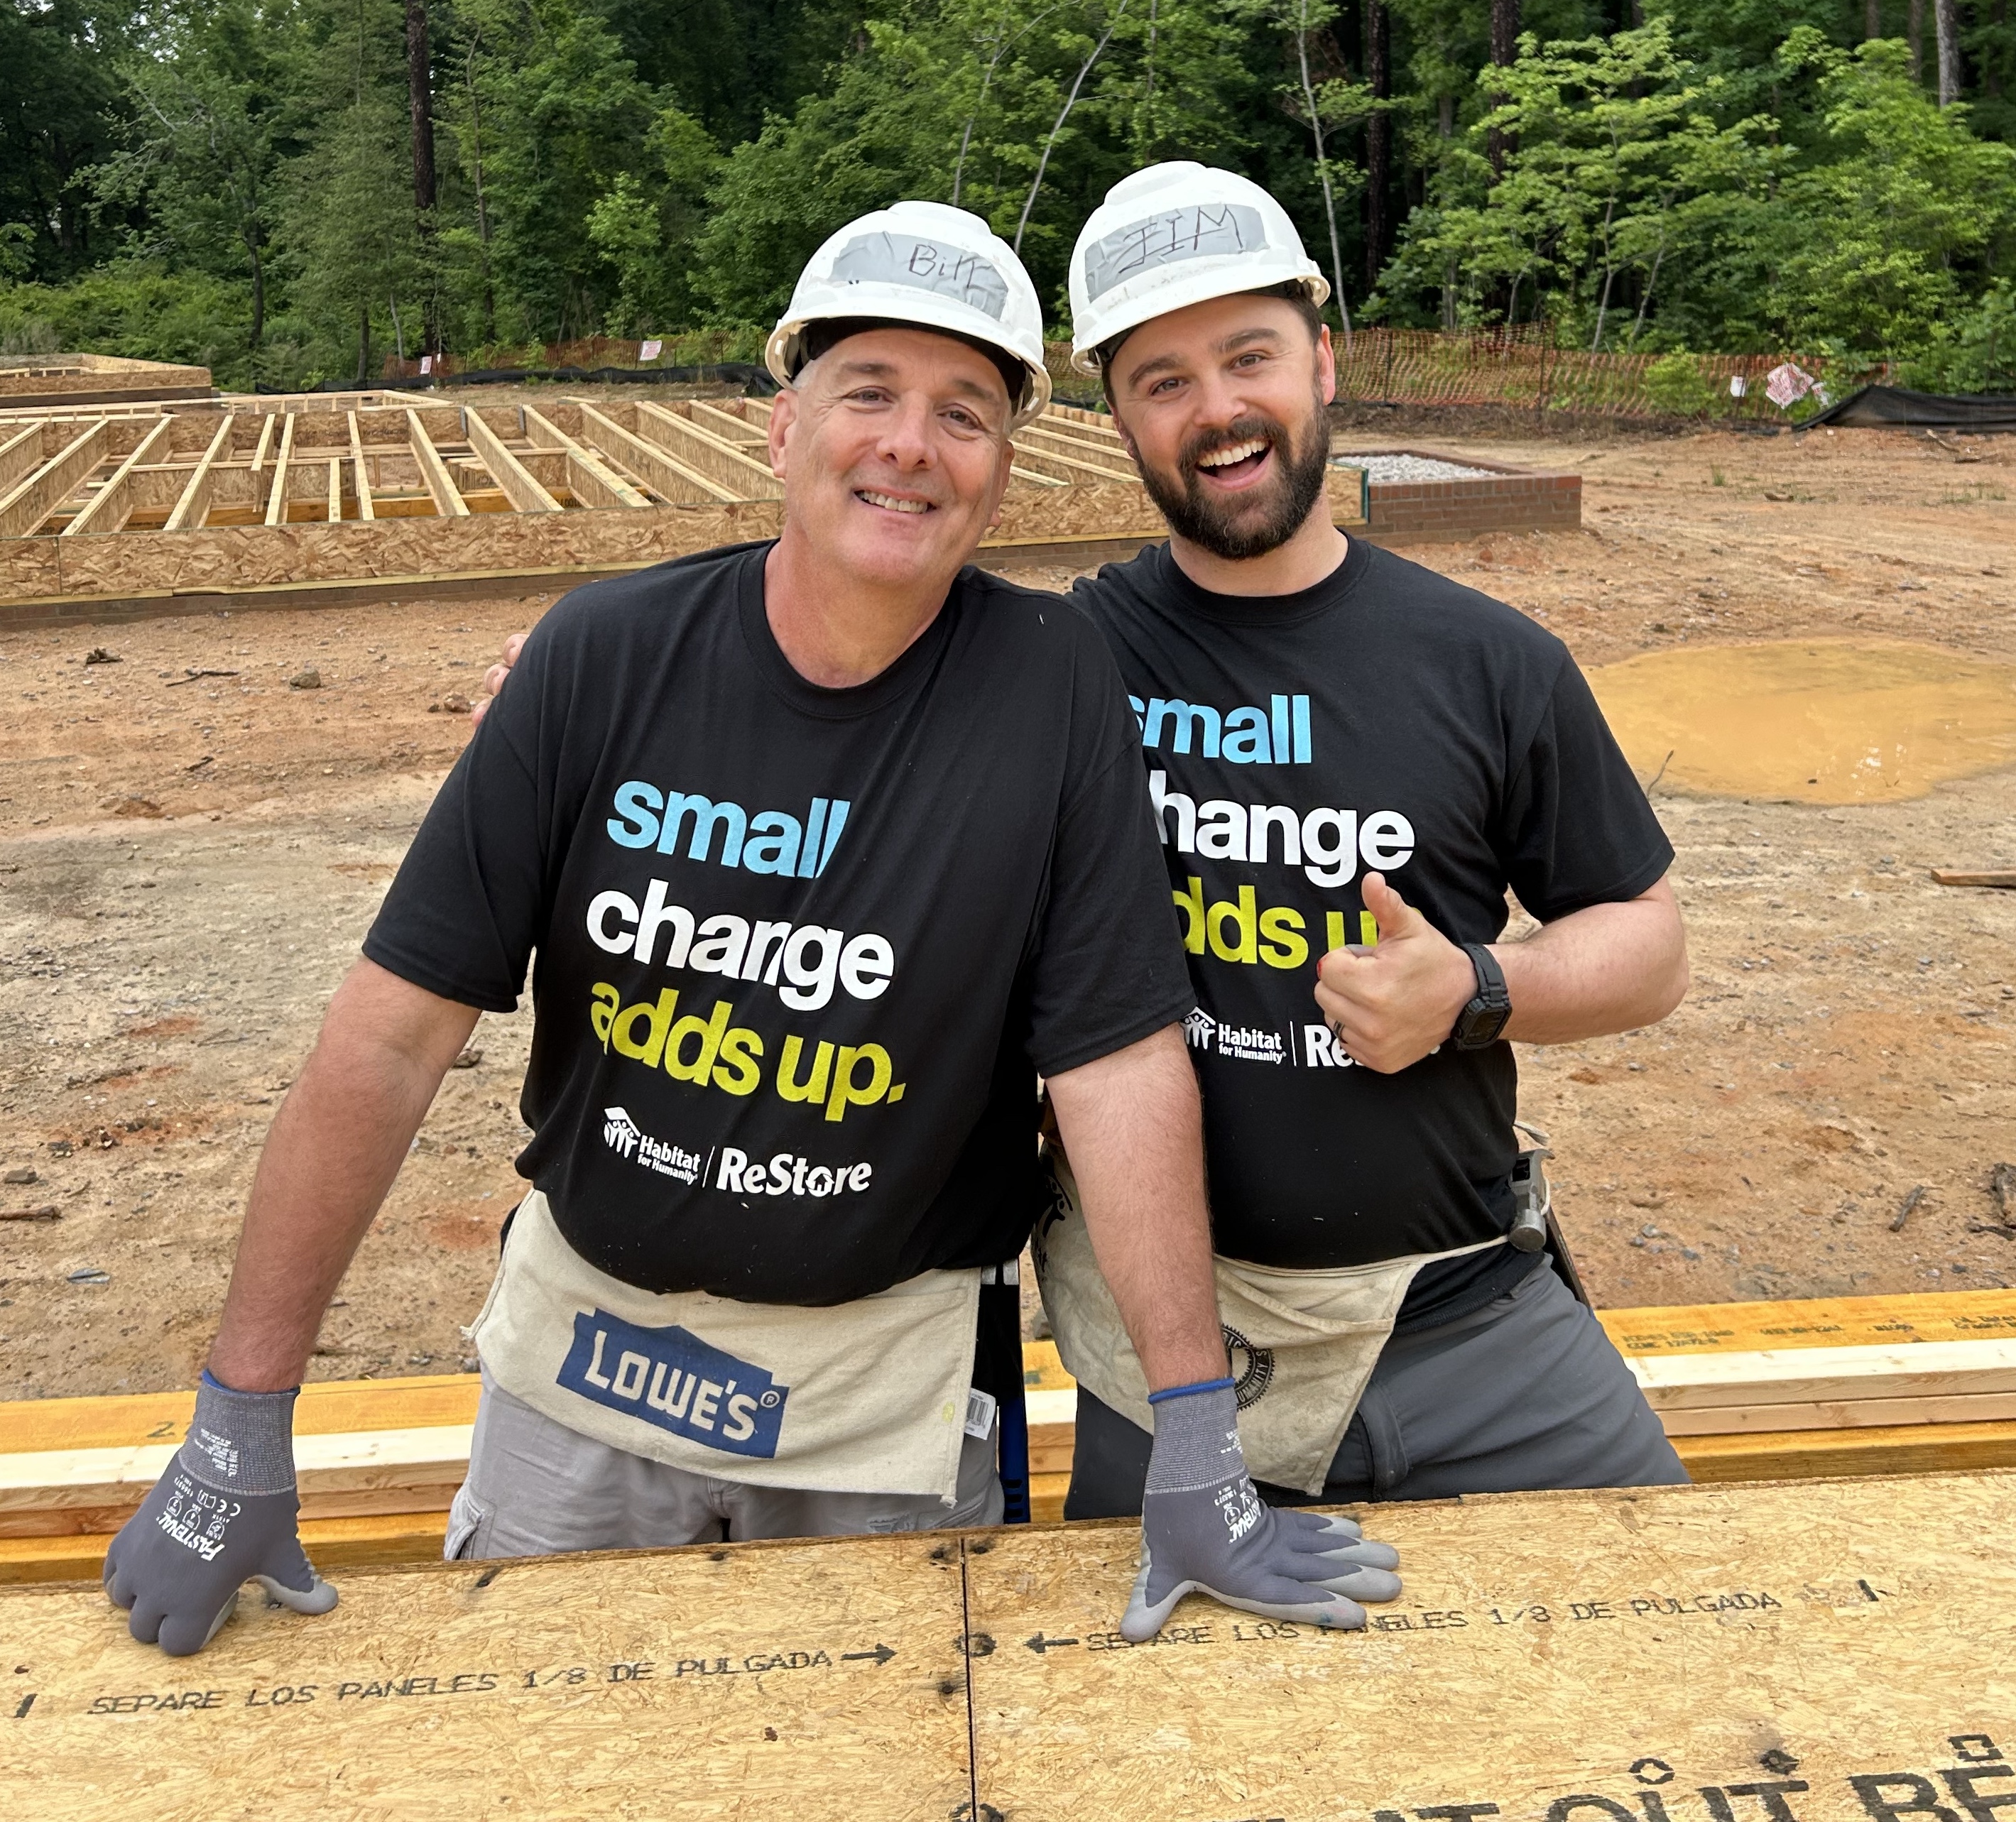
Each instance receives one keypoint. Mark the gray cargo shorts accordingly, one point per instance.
(536, 1488)
(1526, 1394)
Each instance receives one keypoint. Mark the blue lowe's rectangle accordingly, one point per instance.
(671, 1378)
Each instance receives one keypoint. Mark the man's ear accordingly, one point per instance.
(1326, 364)
(783, 414)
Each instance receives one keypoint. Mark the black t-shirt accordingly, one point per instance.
(1386, 720)
(799, 949)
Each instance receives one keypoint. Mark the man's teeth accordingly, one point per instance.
(893, 504)
(1238, 452)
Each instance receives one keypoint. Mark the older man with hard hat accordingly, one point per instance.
(823, 846)
(1351, 758)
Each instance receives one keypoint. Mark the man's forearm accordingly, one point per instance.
(1134, 1130)
(1609, 968)
(334, 1148)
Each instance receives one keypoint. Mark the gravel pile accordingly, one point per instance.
(1411, 468)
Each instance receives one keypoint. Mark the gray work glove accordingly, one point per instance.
(223, 1514)
(1202, 1527)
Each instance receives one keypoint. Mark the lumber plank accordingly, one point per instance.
(1798, 1375)
(276, 498)
(2004, 877)
(1556, 1656)
(822, 1678)
(188, 512)
(593, 481)
(1821, 1322)
(525, 493)
(378, 1541)
(448, 502)
(335, 489)
(1081, 461)
(1840, 1414)
(729, 427)
(50, 1492)
(1821, 1454)
(361, 472)
(32, 500)
(715, 457)
(19, 453)
(109, 509)
(674, 479)
(328, 1407)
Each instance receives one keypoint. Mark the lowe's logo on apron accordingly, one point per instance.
(671, 1378)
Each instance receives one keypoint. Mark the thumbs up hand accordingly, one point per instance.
(1391, 1004)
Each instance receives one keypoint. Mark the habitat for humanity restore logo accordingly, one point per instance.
(1308, 1046)
(624, 1137)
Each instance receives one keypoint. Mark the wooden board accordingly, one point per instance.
(1671, 1655)
(2004, 877)
(1820, 1322)
(821, 1679)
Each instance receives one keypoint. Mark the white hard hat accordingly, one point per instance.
(1172, 236)
(927, 264)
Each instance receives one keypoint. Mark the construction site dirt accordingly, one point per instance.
(200, 814)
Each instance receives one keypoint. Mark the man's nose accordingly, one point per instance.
(907, 436)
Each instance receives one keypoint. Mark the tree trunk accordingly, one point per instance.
(1914, 37)
(1991, 74)
(1445, 128)
(1504, 50)
(1378, 137)
(1872, 20)
(1945, 18)
(258, 295)
(363, 346)
(420, 99)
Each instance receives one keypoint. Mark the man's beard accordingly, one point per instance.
(1243, 525)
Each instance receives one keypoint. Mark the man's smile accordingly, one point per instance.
(892, 503)
(1236, 464)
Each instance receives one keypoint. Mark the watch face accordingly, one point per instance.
(1480, 1025)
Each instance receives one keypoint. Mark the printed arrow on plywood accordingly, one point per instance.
(881, 1654)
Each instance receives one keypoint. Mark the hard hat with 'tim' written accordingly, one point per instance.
(926, 265)
(1172, 236)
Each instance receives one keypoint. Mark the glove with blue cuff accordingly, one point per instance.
(1203, 1528)
(224, 1513)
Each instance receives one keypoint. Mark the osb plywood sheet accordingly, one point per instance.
(1770, 1654)
(821, 1679)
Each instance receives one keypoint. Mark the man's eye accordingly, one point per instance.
(1163, 386)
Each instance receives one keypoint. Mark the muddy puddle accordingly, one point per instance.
(1816, 721)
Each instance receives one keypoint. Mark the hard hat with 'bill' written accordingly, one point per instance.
(928, 266)
(1175, 235)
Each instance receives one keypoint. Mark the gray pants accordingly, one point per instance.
(536, 1488)
(1525, 1394)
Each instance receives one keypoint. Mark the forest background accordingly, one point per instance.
(292, 191)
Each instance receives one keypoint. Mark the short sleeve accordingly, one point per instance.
(1108, 968)
(1578, 829)
(465, 910)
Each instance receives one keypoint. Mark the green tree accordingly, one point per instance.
(204, 144)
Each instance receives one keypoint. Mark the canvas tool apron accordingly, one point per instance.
(866, 1397)
(1303, 1344)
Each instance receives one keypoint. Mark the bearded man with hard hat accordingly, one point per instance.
(825, 846)
(1351, 759)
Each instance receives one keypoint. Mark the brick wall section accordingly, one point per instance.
(1444, 512)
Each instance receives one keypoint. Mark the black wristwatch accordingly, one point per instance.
(1489, 1009)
